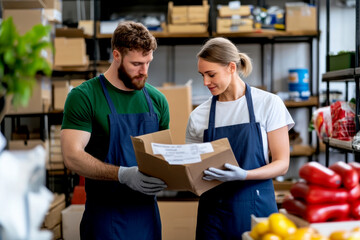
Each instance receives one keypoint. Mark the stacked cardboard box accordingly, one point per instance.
(70, 49)
(53, 218)
(180, 105)
(56, 161)
(40, 100)
(188, 19)
(61, 89)
(234, 19)
(71, 218)
(300, 17)
(53, 10)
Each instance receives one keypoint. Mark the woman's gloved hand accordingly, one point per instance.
(132, 177)
(232, 173)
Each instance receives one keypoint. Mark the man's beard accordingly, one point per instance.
(131, 82)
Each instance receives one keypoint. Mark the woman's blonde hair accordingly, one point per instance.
(223, 51)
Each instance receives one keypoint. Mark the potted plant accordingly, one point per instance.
(21, 59)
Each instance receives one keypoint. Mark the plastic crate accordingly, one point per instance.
(342, 61)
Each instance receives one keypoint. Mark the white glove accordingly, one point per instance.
(232, 174)
(137, 181)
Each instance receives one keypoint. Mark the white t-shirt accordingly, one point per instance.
(270, 111)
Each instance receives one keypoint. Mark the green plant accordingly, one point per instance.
(21, 60)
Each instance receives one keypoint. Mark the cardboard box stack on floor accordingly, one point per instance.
(188, 19)
(180, 106)
(56, 161)
(53, 218)
(234, 18)
(178, 219)
(71, 218)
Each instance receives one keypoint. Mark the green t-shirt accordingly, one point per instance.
(86, 109)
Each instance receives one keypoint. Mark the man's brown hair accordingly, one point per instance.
(132, 36)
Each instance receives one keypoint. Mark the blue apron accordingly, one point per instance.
(113, 210)
(224, 211)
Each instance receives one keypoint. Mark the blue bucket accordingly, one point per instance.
(299, 84)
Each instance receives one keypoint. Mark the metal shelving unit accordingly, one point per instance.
(346, 76)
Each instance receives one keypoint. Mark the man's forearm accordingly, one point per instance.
(86, 165)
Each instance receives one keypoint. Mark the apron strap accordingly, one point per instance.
(249, 103)
(106, 93)
(148, 100)
(211, 126)
(110, 102)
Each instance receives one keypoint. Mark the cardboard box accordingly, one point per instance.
(25, 19)
(61, 90)
(70, 52)
(76, 82)
(26, 144)
(187, 28)
(53, 216)
(186, 177)
(53, 4)
(199, 14)
(228, 25)
(69, 32)
(40, 100)
(53, 15)
(180, 105)
(178, 219)
(71, 218)
(188, 14)
(300, 17)
(226, 11)
(22, 4)
(87, 26)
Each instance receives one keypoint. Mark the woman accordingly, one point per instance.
(253, 121)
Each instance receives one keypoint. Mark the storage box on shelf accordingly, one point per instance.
(70, 48)
(344, 60)
(300, 17)
(234, 19)
(188, 19)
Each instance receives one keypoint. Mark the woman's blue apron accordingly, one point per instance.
(113, 210)
(224, 211)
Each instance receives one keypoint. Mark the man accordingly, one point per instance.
(100, 115)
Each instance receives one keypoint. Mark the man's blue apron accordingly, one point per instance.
(224, 211)
(113, 210)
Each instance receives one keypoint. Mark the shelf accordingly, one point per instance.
(336, 143)
(313, 101)
(300, 150)
(339, 75)
(264, 33)
(261, 33)
(357, 71)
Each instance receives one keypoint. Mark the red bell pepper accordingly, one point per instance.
(314, 213)
(348, 174)
(315, 194)
(355, 209)
(356, 166)
(354, 193)
(315, 173)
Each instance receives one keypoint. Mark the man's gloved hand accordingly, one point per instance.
(232, 174)
(132, 177)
